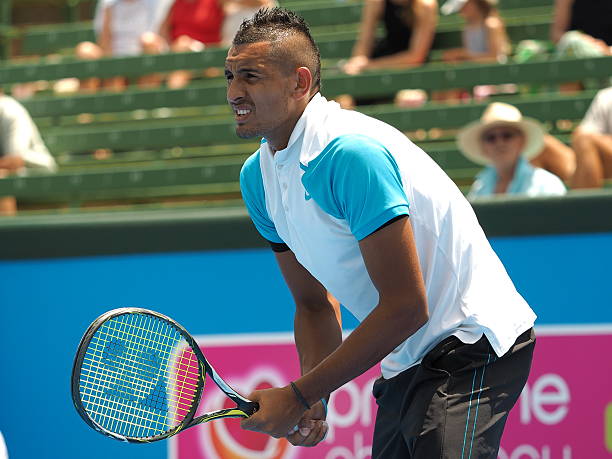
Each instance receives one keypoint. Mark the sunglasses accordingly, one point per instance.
(491, 137)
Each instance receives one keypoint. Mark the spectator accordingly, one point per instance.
(484, 40)
(582, 28)
(504, 141)
(121, 28)
(592, 17)
(592, 142)
(237, 11)
(410, 26)
(484, 35)
(21, 147)
(191, 25)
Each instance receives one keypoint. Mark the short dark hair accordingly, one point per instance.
(276, 24)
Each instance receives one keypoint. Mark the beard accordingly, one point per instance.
(247, 133)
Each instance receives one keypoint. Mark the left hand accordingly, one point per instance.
(312, 428)
(279, 412)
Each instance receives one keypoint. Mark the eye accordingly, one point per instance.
(229, 76)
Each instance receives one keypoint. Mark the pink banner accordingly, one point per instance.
(565, 411)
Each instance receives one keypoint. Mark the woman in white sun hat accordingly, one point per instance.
(505, 141)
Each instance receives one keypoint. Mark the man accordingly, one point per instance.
(20, 147)
(592, 142)
(358, 215)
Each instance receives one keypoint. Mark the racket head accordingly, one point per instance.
(137, 376)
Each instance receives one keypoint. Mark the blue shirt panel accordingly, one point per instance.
(356, 178)
(254, 196)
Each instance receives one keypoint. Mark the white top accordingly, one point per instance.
(341, 177)
(3, 451)
(599, 116)
(130, 20)
(20, 137)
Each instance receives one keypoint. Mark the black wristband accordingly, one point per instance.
(299, 396)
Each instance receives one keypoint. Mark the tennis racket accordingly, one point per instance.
(138, 376)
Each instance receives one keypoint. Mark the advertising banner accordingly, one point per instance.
(564, 412)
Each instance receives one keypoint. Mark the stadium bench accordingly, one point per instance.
(333, 45)
(215, 175)
(369, 84)
(40, 40)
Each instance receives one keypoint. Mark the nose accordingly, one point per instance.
(235, 91)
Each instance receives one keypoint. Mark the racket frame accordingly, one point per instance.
(244, 407)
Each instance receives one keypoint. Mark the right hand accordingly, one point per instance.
(355, 65)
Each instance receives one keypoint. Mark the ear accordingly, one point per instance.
(303, 83)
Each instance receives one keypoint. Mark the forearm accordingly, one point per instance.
(399, 60)
(11, 163)
(561, 19)
(317, 334)
(372, 11)
(382, 331)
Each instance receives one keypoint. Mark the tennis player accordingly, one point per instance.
(357, 214)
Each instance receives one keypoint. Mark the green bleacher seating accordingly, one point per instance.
(333, 45)
(180, 143)
(320, 15)
(370, 84)
(200, 175)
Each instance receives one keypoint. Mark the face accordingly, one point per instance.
(260, 93)
(502, 145)
(470, 11)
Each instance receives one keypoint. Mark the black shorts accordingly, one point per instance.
(452, 405)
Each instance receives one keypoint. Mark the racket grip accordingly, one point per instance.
(250, 408)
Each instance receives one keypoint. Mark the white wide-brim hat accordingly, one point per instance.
(454, 6)
(469, 138)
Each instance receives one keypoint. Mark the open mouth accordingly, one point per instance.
(241, 114)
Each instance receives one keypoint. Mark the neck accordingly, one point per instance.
(505, 174)
(280, 141)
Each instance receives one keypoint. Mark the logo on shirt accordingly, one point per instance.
(307, 197)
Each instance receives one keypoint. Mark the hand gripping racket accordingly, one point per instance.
(138, 376)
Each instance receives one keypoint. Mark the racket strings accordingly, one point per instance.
(115, 387)
(139, 376)
(146, 389)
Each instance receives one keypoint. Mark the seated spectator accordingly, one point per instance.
(21, 147)
(484, 35)
(581, 28)
(592, 142)
(409, 25)
(484, 40)
(191, 25)
(591, 17)
(121, 27)
(237, 11)
(505, 141)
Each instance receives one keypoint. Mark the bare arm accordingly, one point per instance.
(106, 40)
(371, 14)
(391, 259)
(561, 19)
(10, 164)
(392, 262)
(425, 22)
(316, 327)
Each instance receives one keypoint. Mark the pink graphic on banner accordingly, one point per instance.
(258, 364)
(560, 414)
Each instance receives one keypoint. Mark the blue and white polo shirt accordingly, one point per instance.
(341, 177)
